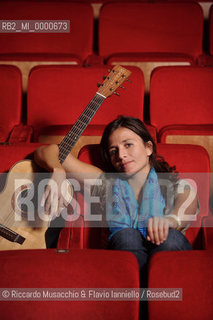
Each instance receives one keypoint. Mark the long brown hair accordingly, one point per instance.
(138, 127)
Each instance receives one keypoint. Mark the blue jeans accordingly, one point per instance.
(130, 239)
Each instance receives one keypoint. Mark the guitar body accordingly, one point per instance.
(32, 223)
(21, 174)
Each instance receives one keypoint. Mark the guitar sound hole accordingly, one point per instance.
(24, 195)
(26, 201)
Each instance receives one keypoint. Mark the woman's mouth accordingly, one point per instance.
(126, 164)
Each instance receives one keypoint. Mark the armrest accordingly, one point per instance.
(205, 60)
(72, 235)
(20, 133)
(93, 60)
(207, 227)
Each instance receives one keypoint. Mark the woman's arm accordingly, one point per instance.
(47, 157)
(186, 204)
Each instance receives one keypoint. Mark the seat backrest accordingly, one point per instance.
(137, 27)
(78, 41)
(57, 95)
(10, 154)
(211, 30)
(185, 158)
(191, 276)
(10, 100)
(181, 95)
(68, 295)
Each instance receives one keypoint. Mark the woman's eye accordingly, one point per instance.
(113, 152)
(128, 145)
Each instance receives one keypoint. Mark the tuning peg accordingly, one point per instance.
(98, 84)
(117, 94)
(122, 87)
(104, 77)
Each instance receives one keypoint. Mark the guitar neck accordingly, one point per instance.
(78, 128)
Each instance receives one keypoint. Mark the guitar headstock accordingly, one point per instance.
(113, 80)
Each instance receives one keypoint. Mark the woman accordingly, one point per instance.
(141, 218)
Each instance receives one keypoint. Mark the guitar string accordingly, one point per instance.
(69, 138)
(89, 112)
(9, 222)
(79, 128)
(10, 218)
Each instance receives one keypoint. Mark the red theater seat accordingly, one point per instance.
(180, 155)
(27, 49)
(150, 34)
(181, 106)
(11, 154)
(10, 100)
(188, 271)
(57, 95)
(68, 273)
(181, 96)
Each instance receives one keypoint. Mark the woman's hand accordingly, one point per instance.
(158, 229)
(54, 199)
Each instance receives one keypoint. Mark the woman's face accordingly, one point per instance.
(128, 153)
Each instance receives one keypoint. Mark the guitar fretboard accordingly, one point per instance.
(78, 128)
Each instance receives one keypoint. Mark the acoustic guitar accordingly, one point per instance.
(21, 227)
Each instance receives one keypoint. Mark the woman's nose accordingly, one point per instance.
(122, 153)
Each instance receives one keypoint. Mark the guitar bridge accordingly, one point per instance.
(11, 235)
